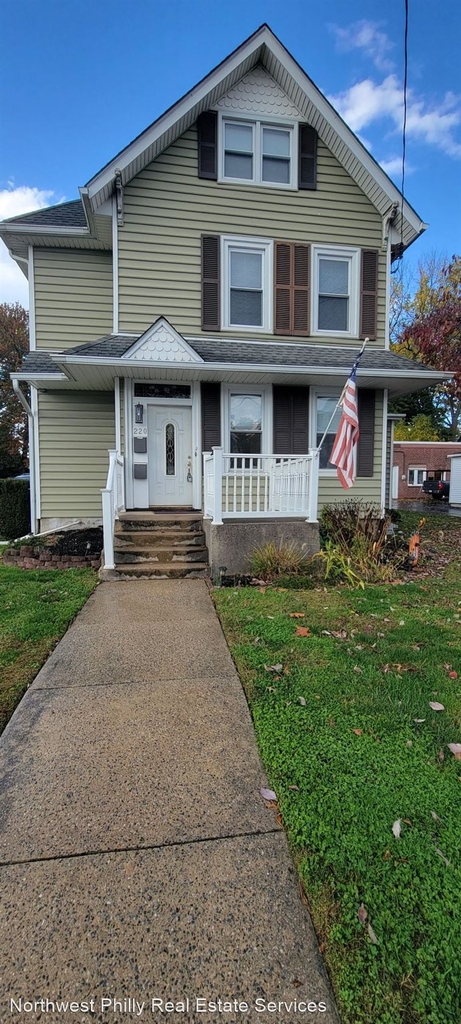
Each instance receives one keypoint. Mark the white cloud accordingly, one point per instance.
(393, 167)
(14, 201)
(367, 101)
(365, 35)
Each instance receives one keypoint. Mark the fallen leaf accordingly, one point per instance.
(442, 855)
(434, 704)
(358, 732)
(256, 639)
(419, 720)
(297, 615)
(362, 914)
(435, 816)
(385, 668)
(302, 700)
(281, 590)
(273, 668)
(396, 828)
(387, 855)
(408, 822)
(372, 934)
(331, 722)
(261, 590)
(268, 794)
(441, 755)
(409, 743)
(357, 669)
(294, 787)
(326, 632)
(341, 634)
(456, 750)
(302, 631)
(380, 634)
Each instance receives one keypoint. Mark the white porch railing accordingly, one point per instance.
(113, 500)
(260, 486)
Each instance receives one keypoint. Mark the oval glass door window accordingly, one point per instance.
(170, 449)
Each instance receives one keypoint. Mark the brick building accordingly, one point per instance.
(413, 461)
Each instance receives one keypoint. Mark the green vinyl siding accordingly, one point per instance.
(76, 430)
(167, 208)
(364, 488)
(73, 296)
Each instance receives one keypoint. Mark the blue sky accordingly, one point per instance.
(81, 78)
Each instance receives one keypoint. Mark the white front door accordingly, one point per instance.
(170, 455)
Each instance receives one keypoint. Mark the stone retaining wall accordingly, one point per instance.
(27, 557)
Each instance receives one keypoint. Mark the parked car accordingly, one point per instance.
(436, 488)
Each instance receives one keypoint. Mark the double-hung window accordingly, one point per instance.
(335, 290)
(247, 274)
(258, 152)
(324, 407)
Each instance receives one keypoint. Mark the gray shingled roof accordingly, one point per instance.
(113, 346)
(63, 215)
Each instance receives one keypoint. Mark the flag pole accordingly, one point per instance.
(337, 406)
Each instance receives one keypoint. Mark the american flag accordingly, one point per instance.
(344, 445)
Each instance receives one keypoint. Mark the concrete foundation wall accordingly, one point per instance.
(233, 544)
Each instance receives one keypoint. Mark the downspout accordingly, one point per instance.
(33, 498)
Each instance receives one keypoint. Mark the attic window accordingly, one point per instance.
(258, 152)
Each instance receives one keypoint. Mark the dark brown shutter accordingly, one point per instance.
(207, 139)
(369, 293)
(291, 415)
(291, 289)
(210, 283)
(211, 416)
(365, 447)
(307, 173)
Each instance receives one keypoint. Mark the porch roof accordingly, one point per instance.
(95, 365)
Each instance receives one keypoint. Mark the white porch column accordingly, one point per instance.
(314, 486)
(217, 485)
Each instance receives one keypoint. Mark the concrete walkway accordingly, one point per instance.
(138, 860)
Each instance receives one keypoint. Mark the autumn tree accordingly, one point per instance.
(14, 343)
(431, 332)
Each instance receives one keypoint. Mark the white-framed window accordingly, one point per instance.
(335, 290)
(322, 405)
(246, 419)
(247, 283)
(416, 476)
(258, 151)
(245, 422)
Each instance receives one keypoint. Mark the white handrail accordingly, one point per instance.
(113, 500)
(249, 486)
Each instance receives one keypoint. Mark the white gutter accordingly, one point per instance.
(33, 496)
(252, 368)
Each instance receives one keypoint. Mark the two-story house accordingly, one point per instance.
(197, 312)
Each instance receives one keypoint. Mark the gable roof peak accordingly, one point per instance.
(264, 48)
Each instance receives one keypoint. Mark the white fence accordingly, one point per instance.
(260, 486)
(113, 500)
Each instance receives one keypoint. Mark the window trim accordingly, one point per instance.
(266, 412)
(416, 469)
(266, 247)
(257, 124)
(352, 254)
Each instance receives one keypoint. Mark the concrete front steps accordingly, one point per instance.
(165, 545)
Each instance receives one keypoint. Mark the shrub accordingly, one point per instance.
(359, 543)
(14, 508)
(275, 560)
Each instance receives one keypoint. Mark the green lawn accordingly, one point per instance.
(351, 745)
(36, 607)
